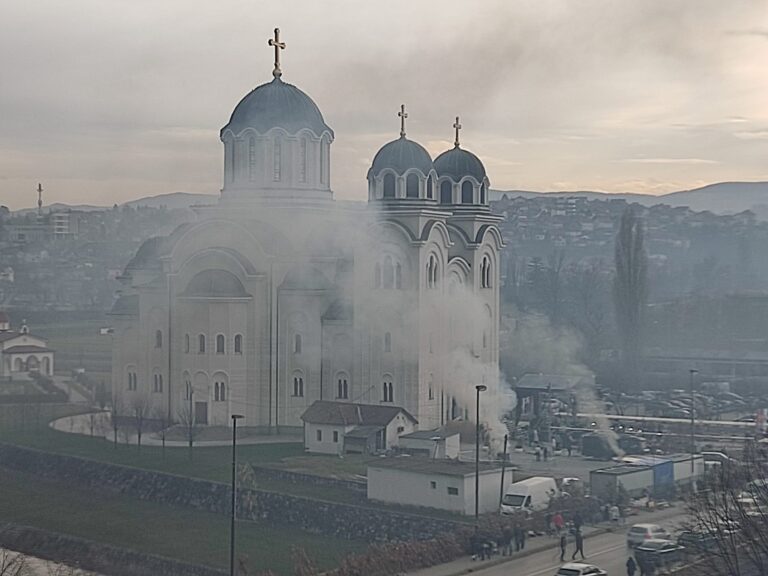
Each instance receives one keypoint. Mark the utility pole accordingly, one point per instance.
(692, 373)
(479, 388)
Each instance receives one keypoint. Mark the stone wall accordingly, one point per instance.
(94, 557)
(299, 478)
(352, 522)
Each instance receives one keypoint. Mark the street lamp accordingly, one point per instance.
(692, 372)
(479, 388)
(235, 418)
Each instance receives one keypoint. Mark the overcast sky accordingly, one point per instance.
(104, 101)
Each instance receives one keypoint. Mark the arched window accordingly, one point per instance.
(387, 391)
(389, 185)
(186, 343)
(297, 344)
(252, 158)
(157, 383)
(466, 192)
(482, 194)
(430, 193)
(303, 161)
(201, 344)
(298, 386)
(387, 342)
(398, 277)
(432, 271)
(342, 386)
(377, 275)
(219, 392)
(158, 338)
(188, 390)
(446, 192)
(388, 273)
(220, 344)
(485, 273)
(238, 344)
(412, 186)
(485, 340)
(277, 160)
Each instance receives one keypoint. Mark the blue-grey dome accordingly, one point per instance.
(277, 105)
(401, 155)
(457, 163)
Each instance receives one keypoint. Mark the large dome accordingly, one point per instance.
(457, 163)
(277, 105)
(401, 155)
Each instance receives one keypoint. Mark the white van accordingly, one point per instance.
(531, 494)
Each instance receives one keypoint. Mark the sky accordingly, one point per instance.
(105, 101)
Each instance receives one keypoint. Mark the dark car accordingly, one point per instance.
(659, 553)
(695, 542)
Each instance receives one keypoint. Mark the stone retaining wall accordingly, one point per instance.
(334, 519)
(93, 556)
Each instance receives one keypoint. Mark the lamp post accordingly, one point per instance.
(479, 388)
(692, 373)
(235, 418)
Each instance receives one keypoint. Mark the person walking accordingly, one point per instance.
(518, 537)
(523, 534)
(563, 546)
(579, 546)
(506, 541)
(559, 522)
(631, 566)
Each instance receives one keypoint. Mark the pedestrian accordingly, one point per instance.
(559, 522)
(579, 546)
(535, 436)
(523, 534)
(631, 566)
(474, 544)
(548, 523)
(546, 452)
(554, 445)
(538, 453)
(563, 546)
(518, 537)
(568, 443)
(578, 522)
(614, 514)
(506, 541)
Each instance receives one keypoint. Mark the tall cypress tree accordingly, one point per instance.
(630, 293)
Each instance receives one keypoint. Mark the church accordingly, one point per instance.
(278, 295)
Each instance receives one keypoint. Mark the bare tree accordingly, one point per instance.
(186, 417)
(630, 292)
(13, 564)
(116, 414)
(140, 412)
(730, 518)
(161, 424)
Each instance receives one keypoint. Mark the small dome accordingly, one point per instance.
(401, 155)
(215, 284)
(457, 163)
(277, 105)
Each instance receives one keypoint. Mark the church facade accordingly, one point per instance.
(278, 295)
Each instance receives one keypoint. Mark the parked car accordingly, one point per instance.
(695, 542)
(579, 569)
(659, 553)
(640, 533)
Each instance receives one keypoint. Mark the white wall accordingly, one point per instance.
(326, 445)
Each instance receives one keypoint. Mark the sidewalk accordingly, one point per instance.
(466, 565)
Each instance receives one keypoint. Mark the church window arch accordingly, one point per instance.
(188, 390)
(201, 344)
(466, 192)
(157, 383)
(482, 193)
(158, 338)
(485, 273)
(388, 273)
(277, 159)
(186, 343)
(252, 158)
(387, 389)
(220, 344)
(412, 186)
(219, 390)
(398, 276)
(430, 185)
(303, 160)
(432, 271)
(377, 275)
(298, 384)
(33, 364)
(446, 192)
(387, 342)
(297, 343)
(342, 385)
(485, 339)
(389, 185)
(238, 343)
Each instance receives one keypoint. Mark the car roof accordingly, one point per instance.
(656, 542)
(648, 526)
(576, 566)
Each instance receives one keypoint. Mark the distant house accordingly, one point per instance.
(339, 427)
(21, 352)
(444, 484)
(436, 444)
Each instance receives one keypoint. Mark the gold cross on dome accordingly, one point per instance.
(457, 126)
(278, 46)
(403, 115)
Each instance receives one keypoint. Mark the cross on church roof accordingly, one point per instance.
(278, 46)
(457, 126)
(403, 115)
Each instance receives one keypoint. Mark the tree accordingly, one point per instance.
(162, 423)
(186, 417)
(630, 293)
(140, 412)
(116, 415)
(730, 517)
(589, 292)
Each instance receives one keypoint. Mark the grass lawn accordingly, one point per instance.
(189, 535)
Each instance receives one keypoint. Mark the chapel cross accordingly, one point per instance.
(278, 46)
(457, 126)
(403, 115)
